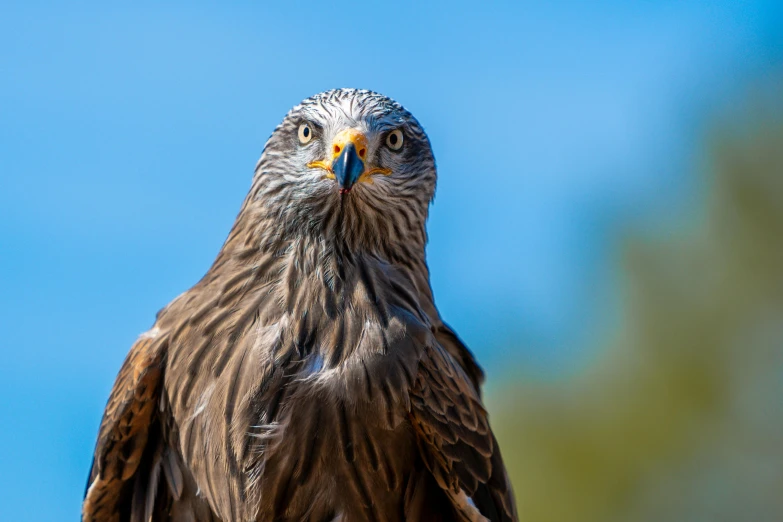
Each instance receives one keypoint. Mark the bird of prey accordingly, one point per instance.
(308, 375)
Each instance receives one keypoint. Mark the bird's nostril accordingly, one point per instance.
(336, 149)
(361, 153)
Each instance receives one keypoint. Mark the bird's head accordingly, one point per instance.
(347, 163)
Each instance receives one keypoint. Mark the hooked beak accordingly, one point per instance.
(349, 153)
(347, 167)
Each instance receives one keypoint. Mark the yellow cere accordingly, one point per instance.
(350, 136)
(359, 141)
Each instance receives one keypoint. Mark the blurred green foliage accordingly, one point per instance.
(680, 417)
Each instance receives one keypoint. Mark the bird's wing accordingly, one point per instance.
(129, 454)
(451, 342)
(455, 439)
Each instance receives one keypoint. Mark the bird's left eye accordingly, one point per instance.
(305, 133)
(394, 140)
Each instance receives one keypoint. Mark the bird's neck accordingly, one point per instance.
(334, 273)
(318, 294)
(329, 271)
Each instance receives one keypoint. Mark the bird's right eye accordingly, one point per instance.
(305, 133)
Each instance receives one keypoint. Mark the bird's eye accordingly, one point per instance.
(394, 140)
(305, 133)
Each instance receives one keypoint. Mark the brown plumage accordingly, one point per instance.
(308, 375)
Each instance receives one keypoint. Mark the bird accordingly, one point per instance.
(308, 376)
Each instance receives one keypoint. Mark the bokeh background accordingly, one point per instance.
(607, 234)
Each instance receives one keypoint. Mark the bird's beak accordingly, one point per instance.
(348, 155)
(349, 149)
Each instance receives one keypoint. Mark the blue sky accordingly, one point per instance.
(128, 137)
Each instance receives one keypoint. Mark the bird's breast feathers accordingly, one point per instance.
(275, 414)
